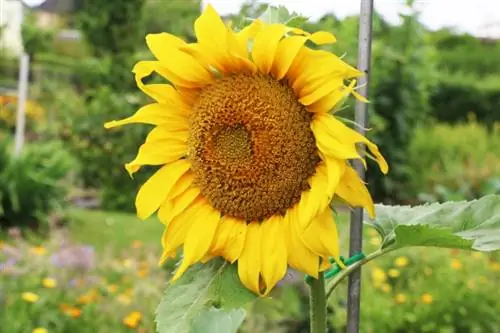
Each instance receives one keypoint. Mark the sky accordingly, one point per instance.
(478, 17)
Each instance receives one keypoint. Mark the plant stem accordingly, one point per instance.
(351, 268)
(317, 304)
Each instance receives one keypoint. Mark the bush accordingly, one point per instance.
(455, 161)
(457, 95)
(33, 184)
(79, 122)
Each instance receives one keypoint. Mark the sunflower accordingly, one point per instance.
(250, 156)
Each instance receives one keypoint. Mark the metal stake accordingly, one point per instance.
(356, 230)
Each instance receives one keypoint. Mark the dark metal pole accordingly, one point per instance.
(356, 232)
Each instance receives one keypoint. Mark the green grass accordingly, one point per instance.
(111, 230)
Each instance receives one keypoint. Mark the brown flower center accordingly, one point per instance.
(251, 146)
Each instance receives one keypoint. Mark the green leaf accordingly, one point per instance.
(218, 321)
(279, 14)
(206, 293)
(464, 225)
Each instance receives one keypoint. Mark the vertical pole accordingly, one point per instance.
(23, 84)
(356, 230)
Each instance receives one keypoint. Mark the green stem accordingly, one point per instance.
(317, 304)
(351, 268)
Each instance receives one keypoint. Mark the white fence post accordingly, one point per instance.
(23, 84)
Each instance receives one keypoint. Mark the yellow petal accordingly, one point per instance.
(323, 37)
(246, 34)
(182, 184)
(155, 114)
(321, 236)
(229, 239)
(299, 256)
(335, 168)
(286, 52)
(316, 198)
(273, 251)
(199, 238)
(174, 207)
(322, 90)
(159, 92)
(339, 130)
(155, 190)
(177, 229)
(174, 61)
(249, 261)
(329, 101)
(265, 46)
(157, 153)
(354, 192)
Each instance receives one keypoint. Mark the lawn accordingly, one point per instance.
(112, 230)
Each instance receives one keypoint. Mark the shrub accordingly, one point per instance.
(454, 161)
(33, 184)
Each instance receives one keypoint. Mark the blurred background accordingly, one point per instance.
(73, 256)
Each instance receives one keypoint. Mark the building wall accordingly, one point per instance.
(11, 14)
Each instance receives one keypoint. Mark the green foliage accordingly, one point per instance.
(35, 39)
(454, 162)
(465, 224)
(174, 17)
(102, 153)
(206, 295)
(459, 94)
(465, 53)
(33, 184)
(402, 81)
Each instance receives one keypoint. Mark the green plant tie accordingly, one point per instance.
(336, 268)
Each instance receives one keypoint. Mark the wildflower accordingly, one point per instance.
(394, 273)
(70, 311)
(87, 298)
(250, 156)
(124, 299)
(375, 241)
(127, 263)
(136, 244)
(49, 283)
(427, 298)
(40, 330)
(400, 298)
(38, 250)
(378, 276)
(401, 262)
(2, 244)
(143, 272)
(112, 288)
(477, 255)
(132, 319)
(456, 264)
(386, 288)
(495, 266)
(30, 297)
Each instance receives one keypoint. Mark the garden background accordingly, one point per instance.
(73, 256)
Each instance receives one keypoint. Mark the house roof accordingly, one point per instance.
(59, 6)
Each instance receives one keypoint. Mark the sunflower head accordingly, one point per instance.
(250, 156)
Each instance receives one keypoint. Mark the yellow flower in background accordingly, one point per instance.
(378, 276)
(386, 288)
(394, 273)
(88, 297)
(495, 266)
(124, 299)
(456, 264)
(136, 244)
(38, 250)
(112, 288)
(30, 297)
(401, 262)
(70, 311)
(132, 319)
(250, 156)
(127, 263)
(40, 330)
(143, 272)
(400, 298)
(375, 241)
(427, 298)
(477, 255)
(2, 244)
(49, 283)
